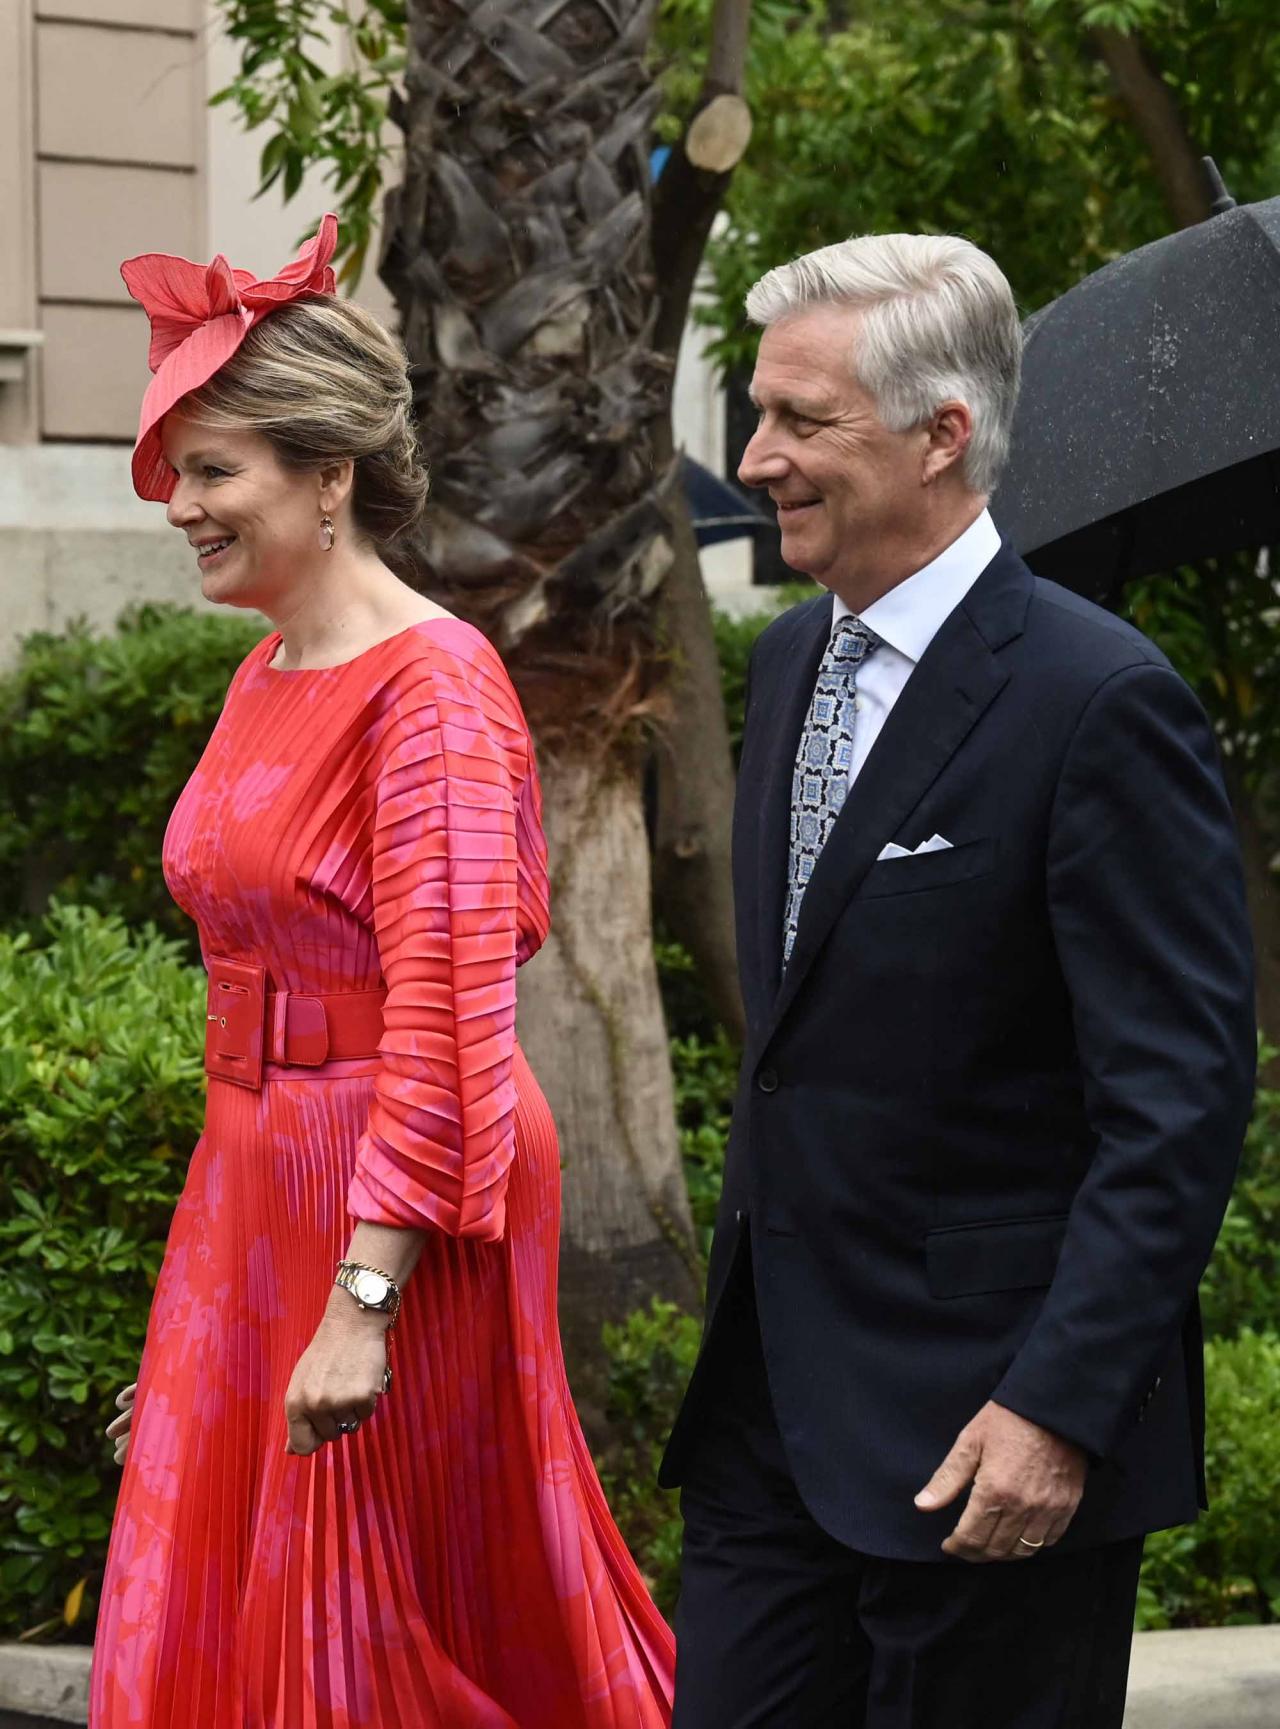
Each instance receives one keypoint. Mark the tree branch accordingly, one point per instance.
(687, 196)
(727, 54)
(1157, 118)
(692, 759)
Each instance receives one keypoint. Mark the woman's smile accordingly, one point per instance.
(212, 549)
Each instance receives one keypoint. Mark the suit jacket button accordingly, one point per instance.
(739, 1215)
(767, 1080)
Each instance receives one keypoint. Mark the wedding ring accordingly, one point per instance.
(386, 1379)
(1028, 1544)
(347, 1428)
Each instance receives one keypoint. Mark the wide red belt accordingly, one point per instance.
(249, 1022)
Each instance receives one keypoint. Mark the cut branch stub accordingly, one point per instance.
(717, 138)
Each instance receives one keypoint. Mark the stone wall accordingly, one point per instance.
(76, 541)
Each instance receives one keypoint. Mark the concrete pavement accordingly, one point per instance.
(1204, 1678)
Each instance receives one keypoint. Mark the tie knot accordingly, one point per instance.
(851, 643)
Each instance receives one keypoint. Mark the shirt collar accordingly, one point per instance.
(910, 615)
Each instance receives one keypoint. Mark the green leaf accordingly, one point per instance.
(273, 157)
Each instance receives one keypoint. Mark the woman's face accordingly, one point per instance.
(254, 524)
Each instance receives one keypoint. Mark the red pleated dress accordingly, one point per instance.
(453, 1564)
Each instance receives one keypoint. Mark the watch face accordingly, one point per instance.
(371, 1288)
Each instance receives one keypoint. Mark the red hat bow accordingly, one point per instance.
(200, 314)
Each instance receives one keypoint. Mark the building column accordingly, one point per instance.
(18, 304)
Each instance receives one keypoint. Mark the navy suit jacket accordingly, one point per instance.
(988, 1122)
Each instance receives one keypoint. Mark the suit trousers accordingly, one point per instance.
(779, 1626)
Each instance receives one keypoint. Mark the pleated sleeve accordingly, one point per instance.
(445, 881)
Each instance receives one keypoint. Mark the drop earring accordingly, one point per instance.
(326, 534)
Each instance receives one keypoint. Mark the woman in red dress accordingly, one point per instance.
(316, 1531)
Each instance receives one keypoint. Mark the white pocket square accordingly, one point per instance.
(935, 843)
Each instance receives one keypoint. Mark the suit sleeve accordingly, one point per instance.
(1146, 900)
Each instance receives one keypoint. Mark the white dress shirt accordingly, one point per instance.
(906, 620)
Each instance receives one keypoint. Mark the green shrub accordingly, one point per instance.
(101, 1101)
(735, 638)
(704, 1065)
(684, 1001)
(1242, 1285)
(651, 1357)
(97, 738)
(1226, 1569)
(706, 1075)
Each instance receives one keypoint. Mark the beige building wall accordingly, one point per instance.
(119, 166)
(19, 323)
(108, 148)
(117, 152)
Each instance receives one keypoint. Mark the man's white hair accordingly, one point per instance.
(938, 323)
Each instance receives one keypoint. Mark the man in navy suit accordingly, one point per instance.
(998, 985)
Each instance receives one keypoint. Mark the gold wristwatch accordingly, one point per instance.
(371, 1288)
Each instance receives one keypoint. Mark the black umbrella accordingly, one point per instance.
(1149, 423)
(720, 510)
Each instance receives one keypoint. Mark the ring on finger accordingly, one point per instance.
(348, 1428)
(1028, 1543)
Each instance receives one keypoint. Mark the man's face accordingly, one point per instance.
(845, 487)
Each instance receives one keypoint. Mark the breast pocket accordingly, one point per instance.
(929, 870)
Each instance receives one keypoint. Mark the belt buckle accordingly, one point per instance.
(234, 1021)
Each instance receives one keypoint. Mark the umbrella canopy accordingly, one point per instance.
(720, 510)
(1149, 422)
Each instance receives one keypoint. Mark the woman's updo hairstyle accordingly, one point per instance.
(322, 379)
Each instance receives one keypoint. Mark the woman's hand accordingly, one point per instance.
(339, 1377)
(118, 1428)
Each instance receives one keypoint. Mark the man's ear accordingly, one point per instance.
(949, 433)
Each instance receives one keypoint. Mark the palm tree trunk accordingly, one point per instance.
(518, 251)
(592, 1026)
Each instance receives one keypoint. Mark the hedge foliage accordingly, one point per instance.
(98, 735)
(1225, 1569)
(651, 1356)
(101, 1100)
(1242, 1285)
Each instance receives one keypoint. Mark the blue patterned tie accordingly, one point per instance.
(820, 784)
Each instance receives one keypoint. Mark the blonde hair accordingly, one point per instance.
(322, 379)
(939, 321)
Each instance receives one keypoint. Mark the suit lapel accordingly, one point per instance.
(956, 681)
(789, 701)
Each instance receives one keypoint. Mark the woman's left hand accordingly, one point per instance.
(338, 1378)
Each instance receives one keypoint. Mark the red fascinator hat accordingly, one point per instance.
(200, 314)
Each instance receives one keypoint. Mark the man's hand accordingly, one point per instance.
(1027, 1482)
